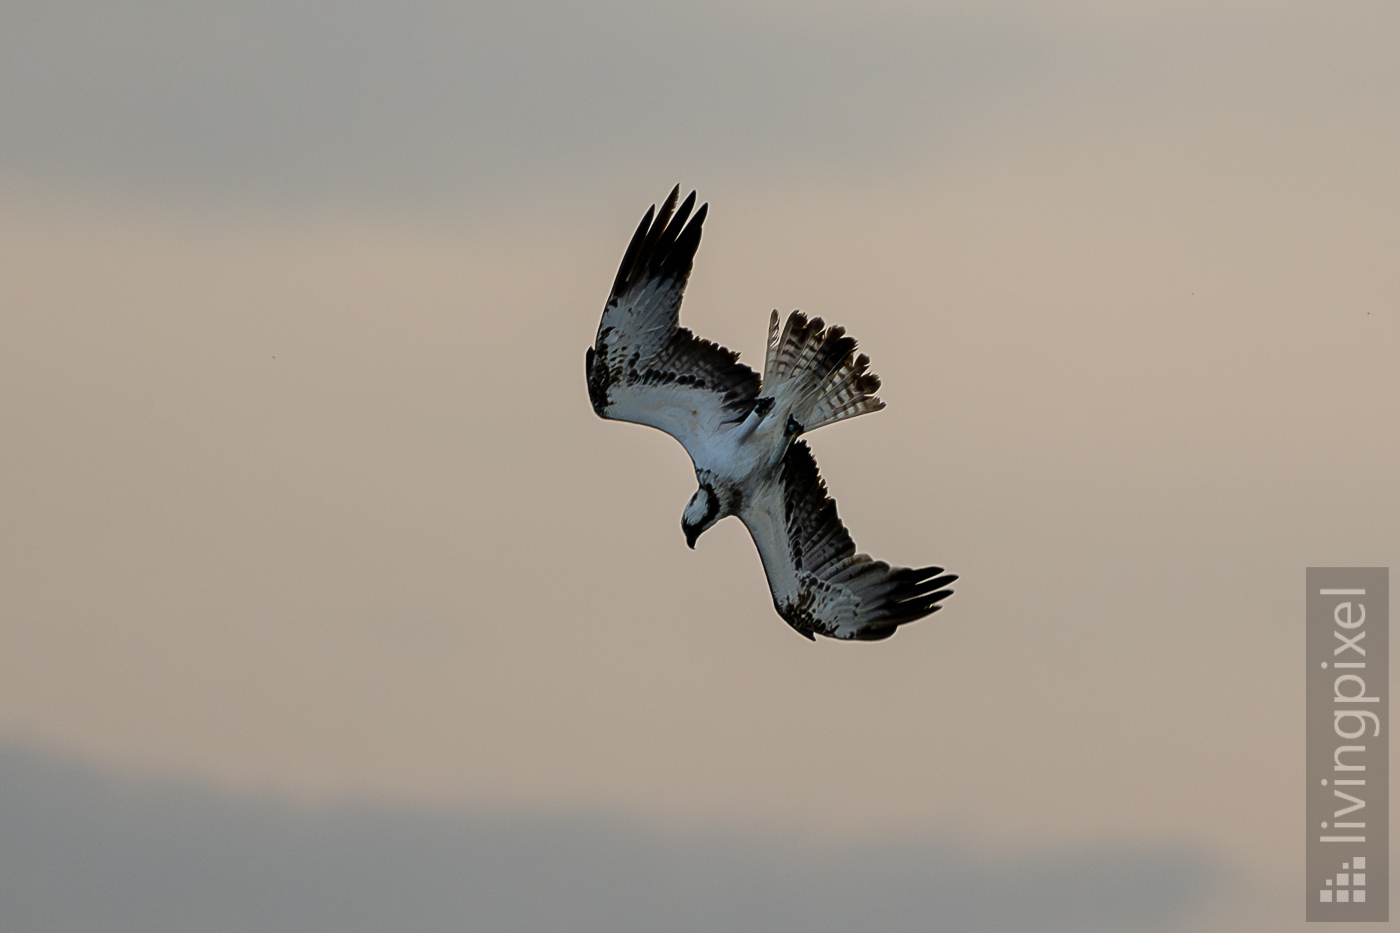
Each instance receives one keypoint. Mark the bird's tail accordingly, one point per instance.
(816, 370)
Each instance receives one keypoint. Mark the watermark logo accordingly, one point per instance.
(1348, 748)
(1351, 884)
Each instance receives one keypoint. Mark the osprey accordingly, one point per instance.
(742, 434)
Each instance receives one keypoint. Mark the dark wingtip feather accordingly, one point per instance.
(664, 244)
(876, 633)
(917, 594)
(634, 249)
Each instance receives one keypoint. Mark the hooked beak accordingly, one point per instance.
(690, 537)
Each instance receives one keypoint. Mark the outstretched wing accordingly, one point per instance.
(820, 585)
(644, 367)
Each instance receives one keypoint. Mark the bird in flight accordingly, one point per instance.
(742, 434)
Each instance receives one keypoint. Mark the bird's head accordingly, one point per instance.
(701, 512)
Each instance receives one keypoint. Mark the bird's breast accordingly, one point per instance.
(742, 458)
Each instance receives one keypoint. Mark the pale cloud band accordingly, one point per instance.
(86, 852)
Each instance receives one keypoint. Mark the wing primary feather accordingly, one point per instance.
(663, 219)
(634, 249)
(664, 247)
(681, 256)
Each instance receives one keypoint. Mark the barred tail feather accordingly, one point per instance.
(828, 382)
(850, 391)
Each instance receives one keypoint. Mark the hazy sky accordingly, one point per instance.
(303, 496)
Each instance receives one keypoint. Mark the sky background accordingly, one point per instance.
(315, 555)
